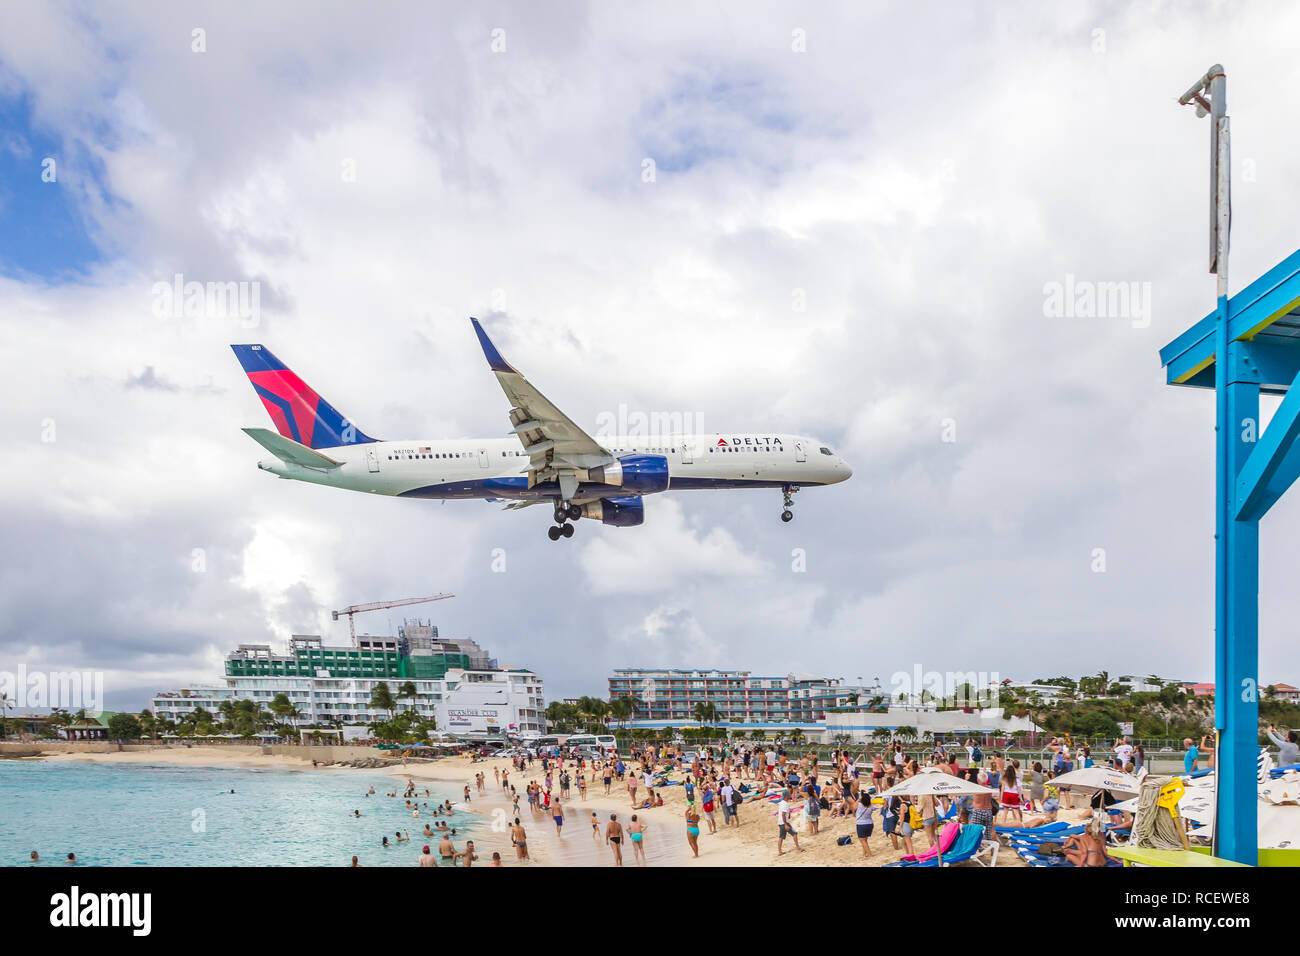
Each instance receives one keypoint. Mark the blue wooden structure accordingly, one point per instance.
(1249, 345)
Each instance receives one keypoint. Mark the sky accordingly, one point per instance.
(844, 220)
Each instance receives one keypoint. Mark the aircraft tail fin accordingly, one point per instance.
(299, 413)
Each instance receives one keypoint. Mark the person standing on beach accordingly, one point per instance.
(614, 838)
(557, 814)
(1123, 753)
(784, 825)
(1035, 786)
(631, 788)
(693, 828)
(812, 808)
(519, 837)
(709, 797)
(862, 822)
(636, 832)
(1288, 751)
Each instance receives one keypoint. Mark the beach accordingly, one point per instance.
(752, 843)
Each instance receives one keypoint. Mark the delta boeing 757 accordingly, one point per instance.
(546, 458)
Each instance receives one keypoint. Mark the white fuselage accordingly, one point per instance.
(497, 467)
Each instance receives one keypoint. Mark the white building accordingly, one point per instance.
(1047, 692)
(462, 701)
(948, 724)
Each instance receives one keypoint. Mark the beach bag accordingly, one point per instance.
(914, 818)
(844, 840)
(977, 756)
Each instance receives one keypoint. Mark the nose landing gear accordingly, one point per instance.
(564, 513)
(787, 492)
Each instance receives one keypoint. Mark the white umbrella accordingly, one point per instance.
(1092, 779)
(1285, 789)
(939, 784)
(1279, 827)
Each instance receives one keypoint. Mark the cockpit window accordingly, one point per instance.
(825, 450)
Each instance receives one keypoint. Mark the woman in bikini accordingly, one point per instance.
(636, 832)
(693, 828)
(1088, 848)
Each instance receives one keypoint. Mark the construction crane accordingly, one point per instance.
(352, 610)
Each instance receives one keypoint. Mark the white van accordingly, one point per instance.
(602, 743)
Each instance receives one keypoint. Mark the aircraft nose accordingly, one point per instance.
(845, 470)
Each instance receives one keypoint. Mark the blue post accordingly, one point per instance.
(1236, 695)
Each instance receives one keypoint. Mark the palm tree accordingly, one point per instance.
(407, 689)
(6, 703)
(619, 710)
(382, 698)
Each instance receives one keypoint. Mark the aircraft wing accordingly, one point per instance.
(554, 444)
(286, 449)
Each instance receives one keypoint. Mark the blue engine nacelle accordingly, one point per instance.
(619, 512)
(635, 474)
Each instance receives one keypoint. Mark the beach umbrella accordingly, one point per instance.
(937, 783)
(1279, 827)
(1285, 789)
(1092, 779)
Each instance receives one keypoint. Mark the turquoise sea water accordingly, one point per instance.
(169, 816)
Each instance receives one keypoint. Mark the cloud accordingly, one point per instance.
(850, 242)
(666, 555)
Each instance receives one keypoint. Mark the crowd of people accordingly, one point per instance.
(723, 784)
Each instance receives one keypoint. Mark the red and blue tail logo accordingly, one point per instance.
(295, 407)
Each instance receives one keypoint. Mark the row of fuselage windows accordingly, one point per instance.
(450, 454)
(520, 454)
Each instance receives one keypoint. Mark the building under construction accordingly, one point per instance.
(417, 653)
(456, 683)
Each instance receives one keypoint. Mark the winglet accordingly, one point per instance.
(495, 361)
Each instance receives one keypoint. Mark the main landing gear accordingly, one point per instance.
(564, 513)
(787, 492)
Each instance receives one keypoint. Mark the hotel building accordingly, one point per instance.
(456, 683)
(668, 697)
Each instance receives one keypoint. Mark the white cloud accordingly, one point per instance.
(920, 181)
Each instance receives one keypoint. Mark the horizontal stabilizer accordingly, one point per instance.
(286, 449)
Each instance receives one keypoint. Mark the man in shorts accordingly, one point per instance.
(784, 825)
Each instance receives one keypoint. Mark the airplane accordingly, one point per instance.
(545, 457)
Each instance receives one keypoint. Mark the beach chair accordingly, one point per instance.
(947, 837)
(1056, 836)
(1037, 859)
(963, 849)
(1045, 828)
(988, 849)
